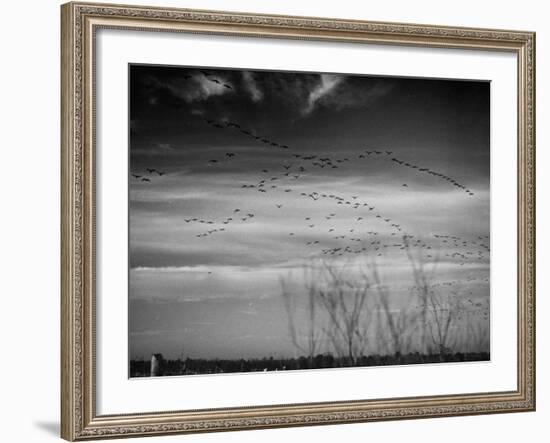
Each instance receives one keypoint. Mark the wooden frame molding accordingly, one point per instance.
(80, 21)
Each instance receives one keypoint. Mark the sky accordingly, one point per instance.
(241, 180)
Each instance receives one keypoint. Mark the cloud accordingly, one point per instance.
(252, 87)
(179, 269)
(196, 89)
(339, 92)
(164, 146)
(355, 95)
(328, 83)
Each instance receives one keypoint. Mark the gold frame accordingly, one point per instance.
(79, 420)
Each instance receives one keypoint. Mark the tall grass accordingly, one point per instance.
(352, 313)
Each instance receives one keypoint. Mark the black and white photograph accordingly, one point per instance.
(286, 220)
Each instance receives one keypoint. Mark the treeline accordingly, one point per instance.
(191, 366)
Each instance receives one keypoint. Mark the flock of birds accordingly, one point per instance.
(359, 238)
(326, 162)
(209, 77)
(150, 172)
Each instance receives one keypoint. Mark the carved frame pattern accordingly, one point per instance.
(78, 417)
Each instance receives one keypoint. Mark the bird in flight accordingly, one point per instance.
(145, 179)
(136, 176)
(279, 206)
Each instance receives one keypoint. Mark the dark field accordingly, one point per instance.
(142, 368)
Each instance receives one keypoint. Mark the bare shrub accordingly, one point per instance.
(344, 300)
(400, 323)
(306, 338)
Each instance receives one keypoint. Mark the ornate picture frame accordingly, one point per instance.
(79, 417)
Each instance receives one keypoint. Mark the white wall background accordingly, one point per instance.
(29, 218)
